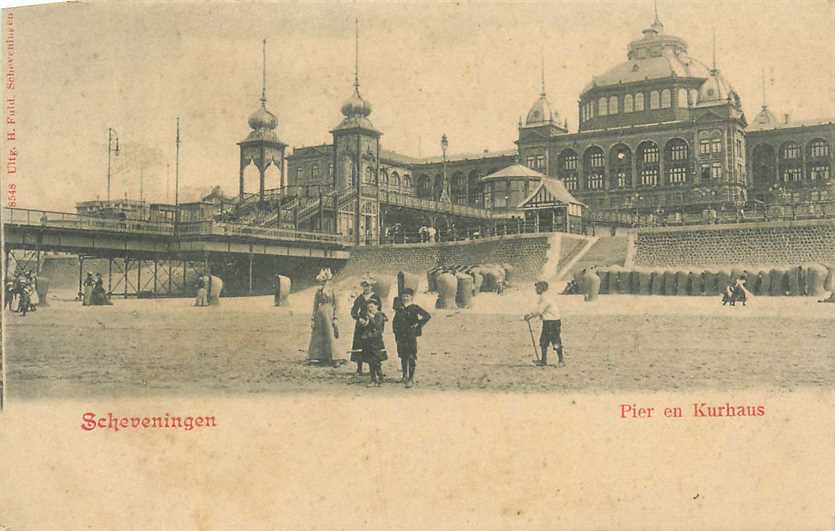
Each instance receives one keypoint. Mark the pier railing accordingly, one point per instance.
(65, 220)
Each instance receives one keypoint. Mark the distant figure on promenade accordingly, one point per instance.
(359, 311)
(323, 322)
(547, 310)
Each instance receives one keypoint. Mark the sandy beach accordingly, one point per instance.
(141, 348)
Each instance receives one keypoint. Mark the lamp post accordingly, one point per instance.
(111, 138)
(444, 191)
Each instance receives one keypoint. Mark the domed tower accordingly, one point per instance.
(356, 152)
(541, 124)
(262, 147)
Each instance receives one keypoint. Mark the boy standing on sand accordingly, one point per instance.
(408, 322)
(547, 310)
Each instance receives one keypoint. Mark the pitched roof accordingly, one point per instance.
(551, 190)
(514, 170)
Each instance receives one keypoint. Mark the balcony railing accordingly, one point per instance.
(66, 220)
(759, 213)
(394, 198)
(214, 228)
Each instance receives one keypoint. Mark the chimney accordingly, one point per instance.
(786, 118)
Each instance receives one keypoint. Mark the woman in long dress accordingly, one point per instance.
(87, 298)
(359, 311)
(323, 322)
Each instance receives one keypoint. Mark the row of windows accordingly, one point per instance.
(791, 152)
(607, 106)
(314, 171)
(647, 177)
(676, 150)
(536, 162)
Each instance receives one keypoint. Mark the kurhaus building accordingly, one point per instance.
(660, 131)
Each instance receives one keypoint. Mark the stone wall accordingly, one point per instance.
(784, 243)
(526, 253)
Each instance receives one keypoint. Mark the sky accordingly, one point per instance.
(467, 69)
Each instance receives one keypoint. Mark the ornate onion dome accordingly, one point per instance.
(262, 122)
(262, 119)
(356, 106)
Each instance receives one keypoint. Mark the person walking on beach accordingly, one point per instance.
(323, 322)
(360, 311)
(408, 322)
(547, 310)
(373, 348)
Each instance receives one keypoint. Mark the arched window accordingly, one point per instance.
(653, 100)
(648, 163)
(384, 177)
(330, 170)
(627, 103)
(791, 165)
(819, 163)
(818, 149)
(665, 99)
(639, 102)
(764, 166)
(299, 174)
(694, 97)
(407, 183)
(613, 105)
(677, 161)
(314, 171)
(791, 151)
(620, 166)
(567, 169)
(602, 107)
(594, 165)
(682, 98)
(395, 179)
(369, 175)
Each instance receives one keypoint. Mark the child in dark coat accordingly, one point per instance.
(373, 348)
(408, 322)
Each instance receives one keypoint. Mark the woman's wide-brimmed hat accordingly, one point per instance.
(324, 274)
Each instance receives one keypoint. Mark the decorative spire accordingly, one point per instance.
(356, 54)
(655, 8)
(264, 73)
(714, 51)
(542, 59)
(765, 104)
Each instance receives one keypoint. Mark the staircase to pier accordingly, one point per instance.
(605, 251)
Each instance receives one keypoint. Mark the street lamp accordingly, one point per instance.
(444, 146)
(112, 138)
